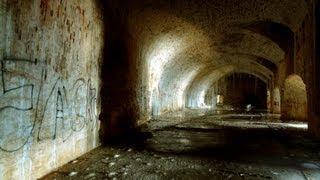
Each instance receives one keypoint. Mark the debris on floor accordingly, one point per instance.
(203, 148)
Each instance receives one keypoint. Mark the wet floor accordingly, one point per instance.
(228, 146)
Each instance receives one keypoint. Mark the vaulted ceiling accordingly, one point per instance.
(188, 45)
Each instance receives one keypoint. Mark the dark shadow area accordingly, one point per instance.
(281, 35)
(317, 61)
(240, 90)
(278, 33)
(117, 115)
(186, 152)
(268, 64)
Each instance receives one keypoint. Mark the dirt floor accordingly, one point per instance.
(232, 146)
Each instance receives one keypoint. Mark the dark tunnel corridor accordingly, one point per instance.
(243, 90)
(159, 89)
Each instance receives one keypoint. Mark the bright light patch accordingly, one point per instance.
(163, 52)
(299, 126)
(202, 97)
(268, 99)
(200, 87)
(219, 99)
(183, 85)
(185, 141)
(276, 95)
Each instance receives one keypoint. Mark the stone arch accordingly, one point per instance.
(222, 86)
(294, 103)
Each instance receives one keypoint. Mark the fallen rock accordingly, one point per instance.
(73, 173)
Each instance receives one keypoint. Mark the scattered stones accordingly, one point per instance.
(73, 173)
(105, 161)
(310, 166)
(91, 175)
(74, 161)
(111, 174)
(184, 141)
(111, 164)
(144, 163)
(129, 150)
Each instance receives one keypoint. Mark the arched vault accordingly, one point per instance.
(181, 47)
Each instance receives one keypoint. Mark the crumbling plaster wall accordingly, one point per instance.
(50, 57)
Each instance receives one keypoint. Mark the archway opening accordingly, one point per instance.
(169, 66)
(243, 91)
(294, 104)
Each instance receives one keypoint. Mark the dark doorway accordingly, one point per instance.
(244, 89)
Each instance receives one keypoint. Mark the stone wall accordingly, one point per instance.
(50, 52)
(294, 99)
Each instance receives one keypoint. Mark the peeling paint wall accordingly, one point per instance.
(50, 56)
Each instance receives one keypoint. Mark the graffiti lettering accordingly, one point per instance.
(45, 109)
